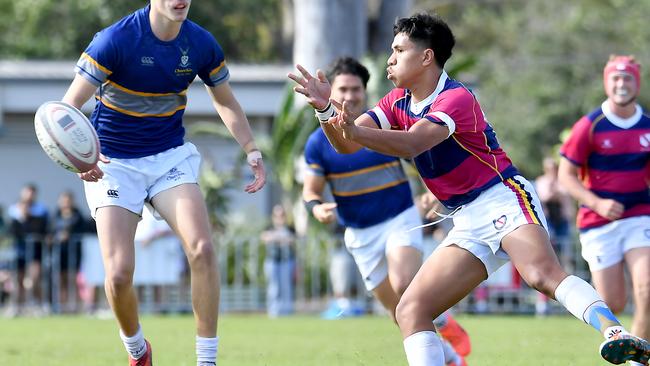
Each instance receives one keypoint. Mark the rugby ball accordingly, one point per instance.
(67, 136)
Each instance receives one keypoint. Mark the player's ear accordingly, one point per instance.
(428, 57)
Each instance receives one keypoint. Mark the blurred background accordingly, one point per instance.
(536, 67)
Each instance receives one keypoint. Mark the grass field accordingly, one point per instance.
(247, 340)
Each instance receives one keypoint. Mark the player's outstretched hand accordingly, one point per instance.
(317, 90)
(344, 121)
(94, 174)
(257, 166)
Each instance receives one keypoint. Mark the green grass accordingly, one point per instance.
(256, 340)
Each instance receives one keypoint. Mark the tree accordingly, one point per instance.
(540, 63)
(248, 30)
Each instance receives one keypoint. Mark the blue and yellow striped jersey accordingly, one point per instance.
(143, 83)
(369, 188)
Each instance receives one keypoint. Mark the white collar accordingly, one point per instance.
(416, 108)
(617, 121)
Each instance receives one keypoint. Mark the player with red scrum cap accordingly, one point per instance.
(606, 168)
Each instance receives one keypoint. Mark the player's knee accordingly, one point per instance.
(400, 284)
(201, 254)
(119, 279)
(408, 313)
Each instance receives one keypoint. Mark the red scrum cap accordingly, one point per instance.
(627, 64)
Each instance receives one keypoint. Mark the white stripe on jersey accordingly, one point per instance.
(444, 117)
(383, 120)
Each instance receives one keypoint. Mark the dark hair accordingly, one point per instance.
(428, 31)
(347, 65)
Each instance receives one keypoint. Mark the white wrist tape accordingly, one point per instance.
(253, 156)
(327, 113)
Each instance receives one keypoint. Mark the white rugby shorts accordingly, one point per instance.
(369, 245)
(130, 183)
(480, 225)
(604, 246)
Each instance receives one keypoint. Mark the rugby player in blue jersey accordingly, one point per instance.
(139, 70)
(373, 201)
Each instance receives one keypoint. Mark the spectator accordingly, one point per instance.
(279, 264)
(28, 228)
(158, 260)
(68, 227)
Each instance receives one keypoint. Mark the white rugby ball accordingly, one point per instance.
(67, 136)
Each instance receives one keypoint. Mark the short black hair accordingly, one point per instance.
(348, 65)
(429, 31)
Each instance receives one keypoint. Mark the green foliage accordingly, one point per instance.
(540, 63)
(246, 29)
(291, 128)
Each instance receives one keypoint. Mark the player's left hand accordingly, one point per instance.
(344, 121)
(257, 166)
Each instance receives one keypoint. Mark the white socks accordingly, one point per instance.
(449, 353)
(134, 344)
(577, 296)
(581, 300)
(206, 351)
(424, 349)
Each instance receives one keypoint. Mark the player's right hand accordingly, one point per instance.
(94, 174)
(609, 209)
(325, 212)
(317, 90)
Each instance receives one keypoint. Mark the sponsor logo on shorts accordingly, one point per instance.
(647, 233)
(175, 174)
(500, 222)
(112, 193)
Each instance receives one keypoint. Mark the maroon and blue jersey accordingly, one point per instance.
(613, 155)
(368, 188)
(469, 161)
(143, 83)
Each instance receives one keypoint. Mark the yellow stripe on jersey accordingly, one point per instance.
(96, 64)
(369, 190)
(218, 68)
(137, 114)
(479, 158)
(362, 171)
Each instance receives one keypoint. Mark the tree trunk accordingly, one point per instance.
(381, 27)
(326, 29)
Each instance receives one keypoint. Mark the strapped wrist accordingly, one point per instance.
(309, 205)
(325, 114)
(253, 156)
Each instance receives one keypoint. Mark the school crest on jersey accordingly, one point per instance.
(184, 66)
(644, 140)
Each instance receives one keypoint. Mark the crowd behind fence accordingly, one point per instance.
(243, 284)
